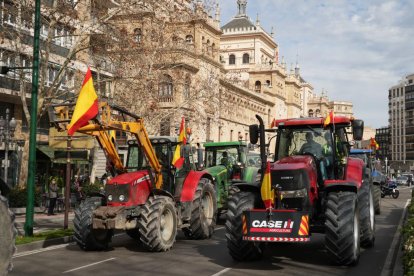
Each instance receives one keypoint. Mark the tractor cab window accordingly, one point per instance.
(224, 156)
(302, 141)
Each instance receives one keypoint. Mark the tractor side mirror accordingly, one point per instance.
(358, 129)
(200, 158)
(254, 133)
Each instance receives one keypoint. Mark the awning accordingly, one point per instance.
(59, 156)
(48, 151)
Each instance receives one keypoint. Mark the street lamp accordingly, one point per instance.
(7, 128)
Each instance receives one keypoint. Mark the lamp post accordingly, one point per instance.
(386, 166)
(7, 128)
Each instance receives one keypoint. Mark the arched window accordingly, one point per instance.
(258, 86)
(138, 35)
(246, 59)
(165, 87)
(232, 59)
(317, 113)
(189, 39)
(310, 112)
(268, 84)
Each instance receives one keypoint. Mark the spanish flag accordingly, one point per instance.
(273, 123)
(86, 106)
(178, 161)
(268, 195)
(329, 119)
(373, 143)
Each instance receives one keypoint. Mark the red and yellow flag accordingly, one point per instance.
(329, 119)
(178, 161)
(373, 144)
(86, 106)
(273, 123)
(268, 195)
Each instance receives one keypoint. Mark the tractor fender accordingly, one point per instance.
(190, 184)
(355, 171)
(341, 185)
(247, 186)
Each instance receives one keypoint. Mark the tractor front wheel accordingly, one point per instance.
(7, 236)
(203, 212)
(158, 224)
(367, 213)
(85, 236)
(239, 249)
(342, 235)
(377, 199)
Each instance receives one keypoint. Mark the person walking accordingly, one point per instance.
(53, 189)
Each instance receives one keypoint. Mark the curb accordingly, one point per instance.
(43, 244)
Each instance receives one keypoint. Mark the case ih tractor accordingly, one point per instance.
(372, 174)
(7, 231)
(226, 161)
(148, 198)
(317, 188)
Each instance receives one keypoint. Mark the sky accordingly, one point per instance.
(354, 50)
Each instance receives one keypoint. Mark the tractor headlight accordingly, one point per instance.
(110, 197)
(121, 198)
(295, 194)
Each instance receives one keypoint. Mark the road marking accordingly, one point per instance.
(388, 265)
(41, 250)
(85, 266)
(222, 272)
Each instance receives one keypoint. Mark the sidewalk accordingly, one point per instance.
(43, 222)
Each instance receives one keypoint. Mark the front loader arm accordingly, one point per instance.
(59, 116)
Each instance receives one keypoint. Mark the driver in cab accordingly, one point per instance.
(311, 146)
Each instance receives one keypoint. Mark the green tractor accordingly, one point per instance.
(229, 162)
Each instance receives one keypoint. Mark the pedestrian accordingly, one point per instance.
(53, 189)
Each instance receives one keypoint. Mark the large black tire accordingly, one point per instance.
(377, 199)
(342, 235)
(158, 224)
(239, 249)
(367, 215)
(7, 237)
(203, 212)
(86, 237)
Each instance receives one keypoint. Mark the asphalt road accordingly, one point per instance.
(210, 257)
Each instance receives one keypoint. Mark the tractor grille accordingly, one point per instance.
(290, 180)
(116, 190)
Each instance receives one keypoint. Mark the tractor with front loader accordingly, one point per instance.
(313, 187)
(148, 198)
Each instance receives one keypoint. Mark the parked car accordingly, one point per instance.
(402, 180)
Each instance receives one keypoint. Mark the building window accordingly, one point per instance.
(165, 88)
(232, 59)
(138, 35)
(317, 113)
(165, 126)
(310, 113)
(246, 59)
(258, 86)
(189, 39)
(186, 92)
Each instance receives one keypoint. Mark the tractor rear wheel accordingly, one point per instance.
(239, 249)
(367, 216)
(377, 199)
(342, 235)
(7, 236)
(158, 224)
(203, 212)
(85, 236)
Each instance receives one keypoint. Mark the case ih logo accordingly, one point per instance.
(272, 226)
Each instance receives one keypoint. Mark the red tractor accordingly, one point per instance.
(149, 198)
(315, 186)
